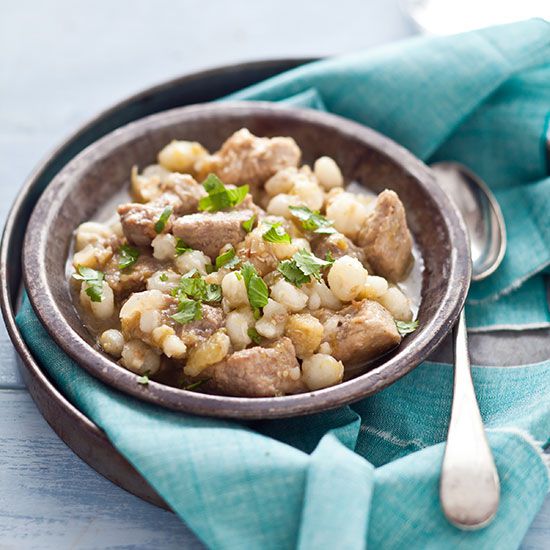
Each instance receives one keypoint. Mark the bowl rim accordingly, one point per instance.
(97, 364)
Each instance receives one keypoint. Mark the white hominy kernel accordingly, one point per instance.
(140, 302)
(346, 278)
(347, 213)
(94, 256)
(100, 310)
(314, 301)
(306, 333)
(374, 287)
(237, 324)
(192, 259)
(289, 296)
(281, 182)
(278, 205)
(149, 320)
(91, 233)
(272, 323)
(156, 282)
(161, 333)
(321, 371)
(285, 250)
(325, 348)
(216, 277)
(234, 290)
(320, 295)
(172, 346)
(116, 228)
(112, 342)
(140, 358)
(309, 193)
(164, 247)
(328, 173)
(207, 353)
(181, 156)
(397, 304)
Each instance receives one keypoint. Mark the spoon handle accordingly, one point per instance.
(469, 487)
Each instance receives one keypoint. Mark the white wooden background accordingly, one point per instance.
(60, 62)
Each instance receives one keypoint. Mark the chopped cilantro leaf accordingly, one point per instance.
(181, 247)
(228, 259)
(94, 282)
(219, 196)
(144, 379)
(197, 289)
(276, 234)
(308, 263)
(248, 225)
(253, 335)
(195, 385)
(301, 267)
(256, 288)
(188, 310)
(292, 273)
(128, 256)
(406, 327)
(163, 277)
(329, 257)
(312, 220)
(161, 222)
(213, 293)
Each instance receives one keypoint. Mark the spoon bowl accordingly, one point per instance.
(481, 214)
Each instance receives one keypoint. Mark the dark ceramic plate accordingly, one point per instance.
(92, 177)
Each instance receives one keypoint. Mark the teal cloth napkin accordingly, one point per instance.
(367, 474)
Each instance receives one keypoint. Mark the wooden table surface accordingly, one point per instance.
(61, 62)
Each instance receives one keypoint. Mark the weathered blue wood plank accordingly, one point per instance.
(49, 498)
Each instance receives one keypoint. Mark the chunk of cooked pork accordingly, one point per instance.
(359, 332)
(258, 372)
(179, 191)
(209, 232)
(132, 279)
(196, 331)
(186, 192)
(386, 239)
(338, 245)
(247, 159)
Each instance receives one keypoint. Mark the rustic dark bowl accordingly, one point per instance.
(364, 155)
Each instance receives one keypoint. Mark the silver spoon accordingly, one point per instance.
(469, 486)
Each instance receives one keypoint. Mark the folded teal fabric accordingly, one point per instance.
(367, 475)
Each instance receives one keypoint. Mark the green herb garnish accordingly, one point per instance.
(128, 256)
(253, 335)
(188, 310)
(197, 288)
(277, 234)
(228, 259)
(312, 220)
(195, 385)
(302, 267)
(161, 222)
(94, 282)
(181, 247)
(144, 380)
(406, 327)
(248, 225)
(219, 196)
(256, 288)
(163, 277)
(292, 273)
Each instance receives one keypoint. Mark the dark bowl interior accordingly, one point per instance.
(365, 156)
